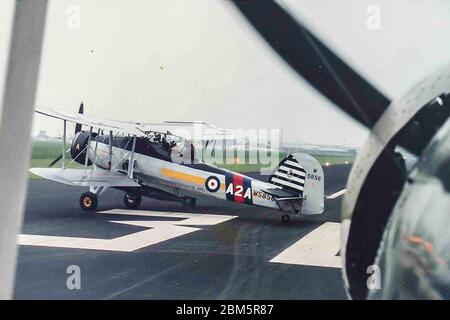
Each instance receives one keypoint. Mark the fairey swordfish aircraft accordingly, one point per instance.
(149, 160)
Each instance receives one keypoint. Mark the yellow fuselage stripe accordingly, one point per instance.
(182, 176)
(186, 177)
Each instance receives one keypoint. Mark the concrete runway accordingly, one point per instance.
(216, 260)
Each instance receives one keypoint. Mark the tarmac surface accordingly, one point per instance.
(218, 250)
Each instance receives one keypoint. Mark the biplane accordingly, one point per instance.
(157, 160)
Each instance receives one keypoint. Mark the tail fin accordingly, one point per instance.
(302, 175)
(290, 175)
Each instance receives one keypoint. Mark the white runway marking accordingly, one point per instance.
(158, 231)
(198, 219)
(336, 194)
(318, 248)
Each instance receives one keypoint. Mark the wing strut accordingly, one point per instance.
(131, 161)
(64, 146)
(110, 150)
(95, 149)
(87, 148)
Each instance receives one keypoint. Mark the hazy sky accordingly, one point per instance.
(199, 60)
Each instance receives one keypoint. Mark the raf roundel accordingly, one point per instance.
(212, 184)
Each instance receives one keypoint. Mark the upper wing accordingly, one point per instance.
(86, 177)
(100, 123)
(194, 131)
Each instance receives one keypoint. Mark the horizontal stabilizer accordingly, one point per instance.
(85, 177)
(281, 193)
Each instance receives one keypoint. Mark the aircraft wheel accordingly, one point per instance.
(286, 218)
(132, 201)
(189, 202)
(88, 201)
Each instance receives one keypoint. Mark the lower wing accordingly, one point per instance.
(86, 177)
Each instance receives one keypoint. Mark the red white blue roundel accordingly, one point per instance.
(212, 184)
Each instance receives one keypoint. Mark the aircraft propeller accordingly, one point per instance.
(77, 129)
(368, 205)
(78, 125)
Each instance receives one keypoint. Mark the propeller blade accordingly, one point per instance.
(78, 125)
(314, 61)
(55, 161)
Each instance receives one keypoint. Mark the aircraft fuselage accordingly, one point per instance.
(153, 164)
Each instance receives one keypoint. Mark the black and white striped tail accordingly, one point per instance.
(289, 175)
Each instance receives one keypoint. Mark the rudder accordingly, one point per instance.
(302, 175)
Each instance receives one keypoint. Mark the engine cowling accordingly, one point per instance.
(78, 148)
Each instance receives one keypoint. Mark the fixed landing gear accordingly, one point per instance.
(133, 197)
(88, 201)
(286, 218)
(189, 202)
(132, 201)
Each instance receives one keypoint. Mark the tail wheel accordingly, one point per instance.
(286, 218)
(88, 201)
(189, 202)
(132, 201)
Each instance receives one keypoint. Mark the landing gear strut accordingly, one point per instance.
(132, 201)
(88, 201)
(286, 218)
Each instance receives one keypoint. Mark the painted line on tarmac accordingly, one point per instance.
(156, 232)
(318, 248)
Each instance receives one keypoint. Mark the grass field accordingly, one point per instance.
(45, 151)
